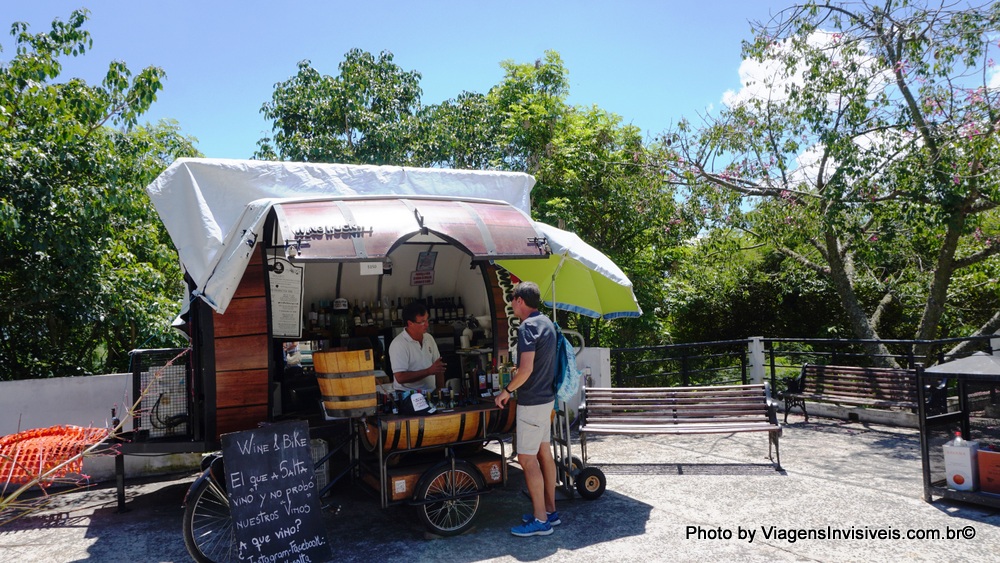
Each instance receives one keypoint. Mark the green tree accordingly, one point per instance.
(868, 152)
(594, 179)
(87, 269)
(461, 133)
(368, 114)
(529, 104)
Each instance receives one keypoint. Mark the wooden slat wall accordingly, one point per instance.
(241, 342)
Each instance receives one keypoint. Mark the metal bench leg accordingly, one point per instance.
(791, 402)
(773, 439)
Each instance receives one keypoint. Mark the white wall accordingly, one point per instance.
(82, 401)
(595, 363)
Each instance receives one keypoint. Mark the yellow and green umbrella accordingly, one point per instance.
(577, 277)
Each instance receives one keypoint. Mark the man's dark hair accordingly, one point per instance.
(529, 292)
(412, 310)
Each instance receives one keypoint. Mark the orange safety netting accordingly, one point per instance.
(26, 455)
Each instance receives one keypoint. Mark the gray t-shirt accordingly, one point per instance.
(537, 334)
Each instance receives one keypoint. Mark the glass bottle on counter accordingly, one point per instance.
(399, 311)
(504, 374)
(461, 309)
(357, 314)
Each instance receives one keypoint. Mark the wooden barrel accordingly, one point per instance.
(346, 383)
(502, 421)
(423, 431)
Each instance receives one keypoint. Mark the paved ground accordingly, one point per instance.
(668, 498)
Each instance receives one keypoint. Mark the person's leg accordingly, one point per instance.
(547, 466)
(536, 484)
(532, 423)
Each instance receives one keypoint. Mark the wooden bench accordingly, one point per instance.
(717, 409)
(881, 388)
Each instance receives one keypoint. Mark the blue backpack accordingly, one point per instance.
(567, 380)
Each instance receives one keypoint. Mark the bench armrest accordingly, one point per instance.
(793, 384)
(772, 412)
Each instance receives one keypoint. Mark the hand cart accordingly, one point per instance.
(571, 472)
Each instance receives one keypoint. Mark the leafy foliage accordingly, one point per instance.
(365, 115)
(88, 270)
(865, 149)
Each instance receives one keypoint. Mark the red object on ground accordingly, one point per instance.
(27, 455)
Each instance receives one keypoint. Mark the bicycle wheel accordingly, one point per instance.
(209, 535)
(449, 516)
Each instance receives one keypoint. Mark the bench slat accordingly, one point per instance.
(695, 429)
(887, 388)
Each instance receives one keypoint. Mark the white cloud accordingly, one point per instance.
(769, 79)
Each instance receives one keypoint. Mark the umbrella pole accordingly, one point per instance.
(552, 286)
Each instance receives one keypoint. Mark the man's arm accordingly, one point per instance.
(403, 377)
(525, 364)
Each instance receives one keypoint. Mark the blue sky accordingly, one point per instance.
(649, 61)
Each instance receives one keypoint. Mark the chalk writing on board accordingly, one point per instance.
(273, 495)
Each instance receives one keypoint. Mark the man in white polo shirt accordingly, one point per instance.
(416, 362)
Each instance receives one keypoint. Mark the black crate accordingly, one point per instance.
(163, 393)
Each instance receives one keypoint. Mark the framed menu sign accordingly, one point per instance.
(273, 496)
(284, 282)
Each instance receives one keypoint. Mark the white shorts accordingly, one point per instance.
(534, 427)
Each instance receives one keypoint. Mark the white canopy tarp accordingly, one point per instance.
(214, 209)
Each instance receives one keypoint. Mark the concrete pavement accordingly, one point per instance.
(847, 490)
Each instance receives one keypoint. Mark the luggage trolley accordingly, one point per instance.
(571, 472)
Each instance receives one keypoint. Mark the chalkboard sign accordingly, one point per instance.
(273, 495)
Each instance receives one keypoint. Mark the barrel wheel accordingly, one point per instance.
(449, 516)
(591, 482)
(209, 535)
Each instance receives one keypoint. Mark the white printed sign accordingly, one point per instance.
(285, 285)
(371, 268)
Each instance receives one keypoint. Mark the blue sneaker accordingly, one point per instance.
(534, 528)
(553, 518)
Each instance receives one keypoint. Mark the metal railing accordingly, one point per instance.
(730, 361)
(681, 365)
(786, 356)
